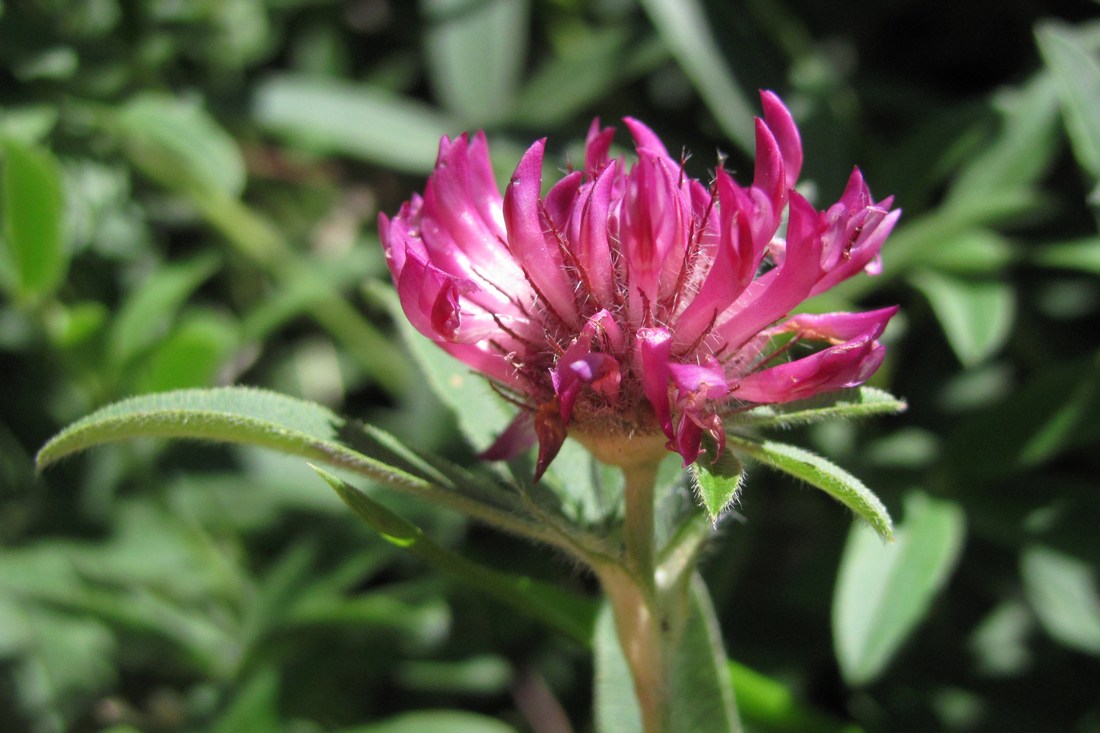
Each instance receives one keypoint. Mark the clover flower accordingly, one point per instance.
(633, 301)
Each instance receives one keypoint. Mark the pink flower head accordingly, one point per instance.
(632, 299)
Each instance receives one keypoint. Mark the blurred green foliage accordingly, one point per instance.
(187, 195)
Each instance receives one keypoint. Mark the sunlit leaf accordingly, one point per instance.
(357, 120)
(475, 54)
(884, 591)
(1082, 255)
(976, 314)
(1022, 148)
(822, 474)
(1077, 74)
(435, 721)
(585, 71)
(182, 140)
(192, 355)
(767, 704)
(1063, 591)
(147, 313)
(30, 205)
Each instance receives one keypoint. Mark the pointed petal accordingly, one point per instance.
(539, 257)
(596, 148)
(644, 138)
(655, 345)
(786, 134)
(777, 292)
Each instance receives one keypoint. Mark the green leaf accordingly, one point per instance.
(818, 472)
(583, 72)
(30, 203)
(572, 615)
(192, 355)
(686, 31)
(147, 313)
(241, 415)
(700, 696)
(883, 592)
(1022, 149)
(977, 252)
(1062, 590)
(249, 416)
(1077, 75)
(849, 403)
(1082, 255)
(976, 315)
(717, 482)
(352, 119)
(183, 142)
(767, 704)
(475, 54)
(435, 721)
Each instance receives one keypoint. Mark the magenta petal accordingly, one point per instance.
(538, 255)
(735, 262)
(774, 294)
(701, 381)
(838, 367)
(644, 138)
(596, 147)
(846, 364)
(593, 247)
(656, 349)
(770, 174)
(839, 326)
(786, 134)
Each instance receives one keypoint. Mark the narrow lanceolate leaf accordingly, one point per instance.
(883, 592)
(249, 416)
(240, 415)
(816, 471)
(570, 614)
(717, 481)
(850, 403)
(30, 206)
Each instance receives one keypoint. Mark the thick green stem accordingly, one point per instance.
(632, 592)
(638, 528)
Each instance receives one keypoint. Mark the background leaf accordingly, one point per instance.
(475, 54)
(1062, 590)
(327, 116)
(31, 210)
(884, 591)
(976, 315)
